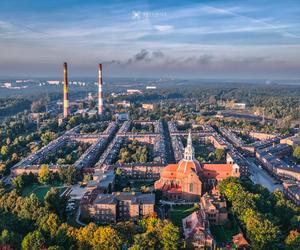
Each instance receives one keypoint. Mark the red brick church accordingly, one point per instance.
(186, 179)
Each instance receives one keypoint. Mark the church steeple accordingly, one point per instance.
(189, 152)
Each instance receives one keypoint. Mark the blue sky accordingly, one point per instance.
(196, 39)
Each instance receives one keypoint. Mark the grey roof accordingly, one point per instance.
(136, 197)
(105, 199)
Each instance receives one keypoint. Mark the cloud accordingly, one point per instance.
(265, 25)
(163, 28)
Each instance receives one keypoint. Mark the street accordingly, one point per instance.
(260, 176)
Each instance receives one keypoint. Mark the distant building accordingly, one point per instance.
(151, 87)
(120, 117)
(292, 141)
(53, 82)
(239, 106)
(133, 91)
(292, 191)
(120, 206)
(148, 106)
(92, 112)
(124, 104)
(270, 158)
(235, 105)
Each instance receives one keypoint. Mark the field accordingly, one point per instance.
(41, 191)
(178, 213)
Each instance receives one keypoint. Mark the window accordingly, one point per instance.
(191, 187)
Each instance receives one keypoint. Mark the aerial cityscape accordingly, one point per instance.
(147, 125)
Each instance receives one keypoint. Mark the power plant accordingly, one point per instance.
(66, 103)
(66, 98)
(100, 92)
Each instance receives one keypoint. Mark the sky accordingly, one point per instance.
(179, 39)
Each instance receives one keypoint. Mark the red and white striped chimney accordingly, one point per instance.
(100, 90)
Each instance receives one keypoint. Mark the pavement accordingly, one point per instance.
(260, 176)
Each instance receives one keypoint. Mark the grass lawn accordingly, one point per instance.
(138, 184)
(41, 191)
(179, 212)
(135, 185)
(224, 233)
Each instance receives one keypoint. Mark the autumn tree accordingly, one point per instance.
(44, 174)
(292, 241)
(106, 238)
(33, 241)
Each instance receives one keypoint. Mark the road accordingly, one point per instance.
(260, 176)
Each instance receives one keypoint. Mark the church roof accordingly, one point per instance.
(217, 171)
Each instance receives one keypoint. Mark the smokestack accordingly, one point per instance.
(66, 99)
(100, 92)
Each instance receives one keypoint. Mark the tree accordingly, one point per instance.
(14, 157)
(262, 232)
(292, 241)
(85, 236)
(295, 222)
(56, 248)
(48, 137)
(18, 182)
(55, 203)
(30, 208)
(44, 174)
(106, 238)
(119, 171)
(33, 241)
(68, 175)
(296, 153)
(4, 151)
(66, 236)
(220, 154)
(169, 236)
(156, 234)
(49, 224)
(6, 238)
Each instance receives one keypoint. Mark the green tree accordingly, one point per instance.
(169, 236)
(48, 137)
(33, 241)
(6, 238)
(55, 203)
(220, 154)
(4, 151)
(49, 224)
(296, 153)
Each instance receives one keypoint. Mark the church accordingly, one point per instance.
(187, 179)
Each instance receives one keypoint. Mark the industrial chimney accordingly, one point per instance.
(66, 99)
(100, 92)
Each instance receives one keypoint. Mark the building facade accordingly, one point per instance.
(119, 206)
